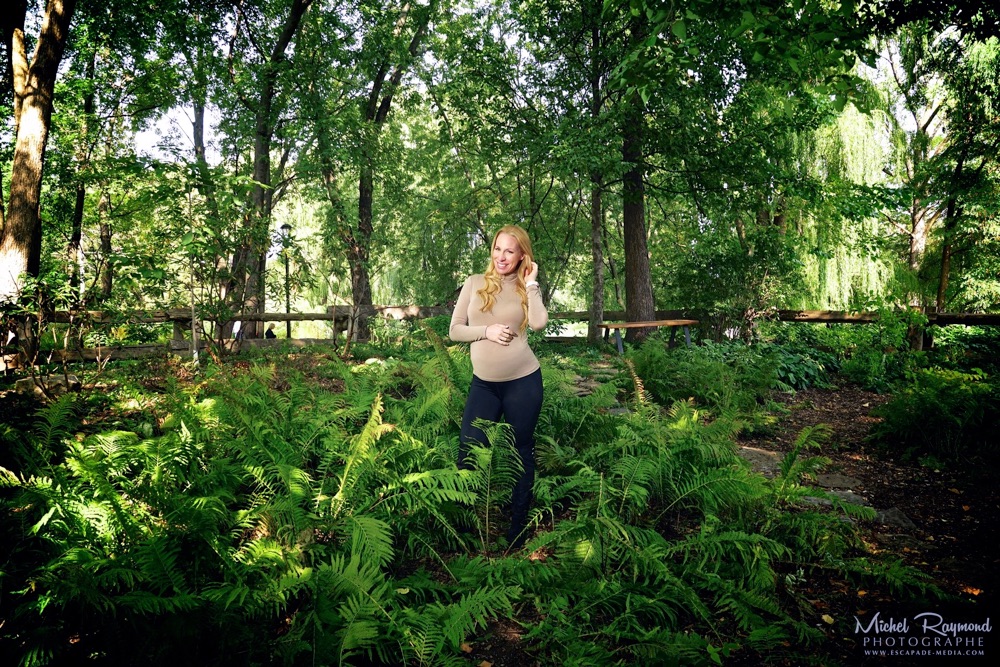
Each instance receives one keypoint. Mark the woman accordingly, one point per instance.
(493, 312)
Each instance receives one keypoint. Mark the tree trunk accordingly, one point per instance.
(952, 214)
(358, 251)
(107, 270)
(639, 304)
(597, 186)
(250, 258)
(376, 111)
(21, 239)
(74, 250)
(597, 261)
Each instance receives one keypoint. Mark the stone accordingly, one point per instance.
(56, 385)
(834, 481)
(895, 517)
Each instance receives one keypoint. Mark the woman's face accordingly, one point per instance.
(507, 254)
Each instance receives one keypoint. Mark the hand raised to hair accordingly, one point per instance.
(531, 273)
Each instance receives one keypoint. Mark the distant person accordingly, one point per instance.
(493, 312)
(270, 331)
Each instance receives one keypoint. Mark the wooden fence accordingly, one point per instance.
(340, 317)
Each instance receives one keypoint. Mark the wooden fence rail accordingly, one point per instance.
(343, 313)
(340, 316)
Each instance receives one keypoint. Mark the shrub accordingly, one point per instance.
(802, 369)
(723, 377)
(944, 414)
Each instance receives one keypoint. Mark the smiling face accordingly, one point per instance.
(507, 254)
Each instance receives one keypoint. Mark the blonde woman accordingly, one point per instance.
(493, 312)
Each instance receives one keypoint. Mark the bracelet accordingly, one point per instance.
(530, 283)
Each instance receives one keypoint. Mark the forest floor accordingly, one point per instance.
(943, 522)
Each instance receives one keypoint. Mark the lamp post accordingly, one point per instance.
(286, 232)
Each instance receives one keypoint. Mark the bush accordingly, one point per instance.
(880, 355)
(945, 414)
(732, 378)
(963, 348)
(802, 369)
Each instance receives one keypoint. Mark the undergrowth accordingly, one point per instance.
(296, 509)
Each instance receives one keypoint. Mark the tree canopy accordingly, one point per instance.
(722, 158)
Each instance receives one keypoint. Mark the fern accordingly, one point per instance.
(496, 468)
(439, 627)
(370, 538)
(459, 376)
(639, 394)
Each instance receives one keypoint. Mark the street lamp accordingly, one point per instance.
(286, 232)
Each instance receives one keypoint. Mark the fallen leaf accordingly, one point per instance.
(486, 663)
(966, 508)
(972, 591)
(861, 594)
(466, 647)
(827, 619)
(955, 491)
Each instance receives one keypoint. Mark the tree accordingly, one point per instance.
(391, 64)
(969, 158)
(263, 72)
(33, 85)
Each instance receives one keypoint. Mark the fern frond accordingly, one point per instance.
(370, 539)
(475, 609)
(641, 396)
(55, 422)
(809, 437)
(496, 469)
(457, 376)
(157, 557)
(629, 481)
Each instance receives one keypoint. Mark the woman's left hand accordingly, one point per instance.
(531, 273)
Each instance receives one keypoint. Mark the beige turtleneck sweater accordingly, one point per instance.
(491, 361)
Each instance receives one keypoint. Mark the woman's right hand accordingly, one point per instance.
(500, 334)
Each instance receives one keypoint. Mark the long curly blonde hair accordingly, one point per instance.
(494, 279)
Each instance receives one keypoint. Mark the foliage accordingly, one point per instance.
(293, 508)
(878, 353)
(951, 416)
(730, 378)
(966, 348)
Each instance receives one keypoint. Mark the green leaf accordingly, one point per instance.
(679, 29)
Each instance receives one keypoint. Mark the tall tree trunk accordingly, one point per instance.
(75, 246)
(596, 186)
(639, 304)
(107, 269)
(376, 111)
(597, 259)
(358, 252)
(21, 238)
(952, 214)
(250, 258)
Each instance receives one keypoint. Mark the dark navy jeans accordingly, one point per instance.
(518, 402)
